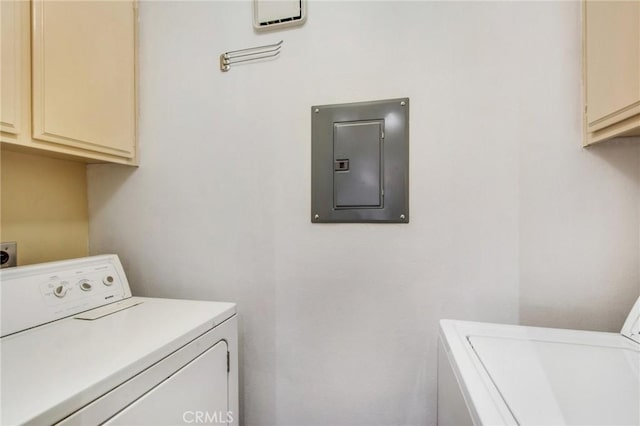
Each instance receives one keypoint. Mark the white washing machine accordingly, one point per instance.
(492, 374)
(78, 349)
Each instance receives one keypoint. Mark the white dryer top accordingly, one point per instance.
(52, 370)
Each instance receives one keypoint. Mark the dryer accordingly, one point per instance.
(495, 374)
(77, 349)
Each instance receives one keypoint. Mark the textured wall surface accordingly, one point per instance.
(510, 218)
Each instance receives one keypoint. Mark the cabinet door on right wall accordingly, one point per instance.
(84, 75)
(612, 68)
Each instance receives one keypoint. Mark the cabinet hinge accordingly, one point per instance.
(228, 362)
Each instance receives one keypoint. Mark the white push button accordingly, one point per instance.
(108, 280)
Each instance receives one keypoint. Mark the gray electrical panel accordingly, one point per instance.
(360, 162)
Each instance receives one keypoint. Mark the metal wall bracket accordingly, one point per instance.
(251, 54)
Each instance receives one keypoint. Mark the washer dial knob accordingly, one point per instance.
(85, 286)
(60, 291)
(108, 280)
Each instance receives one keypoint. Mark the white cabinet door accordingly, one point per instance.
(612, 49)
(83, 72)
(611, 69)
(12, 71)
(197, 393)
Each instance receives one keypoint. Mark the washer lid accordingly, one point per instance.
(551, 382)
(631, 327)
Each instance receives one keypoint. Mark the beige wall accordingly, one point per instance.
(43, 207)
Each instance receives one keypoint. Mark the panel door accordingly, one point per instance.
(83, 56)
(197, 393)
(12, 72)
(612, 63)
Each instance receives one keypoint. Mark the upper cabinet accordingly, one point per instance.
(13, 67)
(611, 69)
(69, 78)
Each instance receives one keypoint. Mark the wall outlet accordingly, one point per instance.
(8, 254)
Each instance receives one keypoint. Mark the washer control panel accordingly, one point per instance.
(61, 289)
(81, 285)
